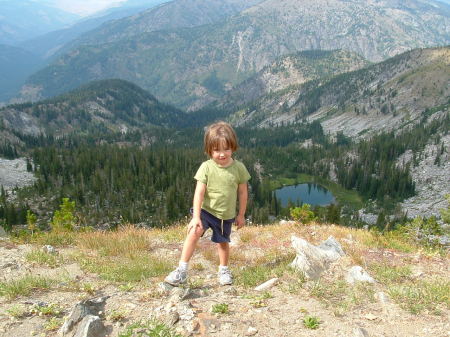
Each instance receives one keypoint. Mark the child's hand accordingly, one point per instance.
(195, 224)
(240, 221)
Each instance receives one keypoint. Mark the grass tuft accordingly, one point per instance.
(150, 328)
(390, 274)
(124, 270)
(220, 308)
(425, 295)
(338, 295)
(311, 322)
(25, 286)
(126, 241)
(43, 258)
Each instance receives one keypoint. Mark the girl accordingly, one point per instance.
(221, 181)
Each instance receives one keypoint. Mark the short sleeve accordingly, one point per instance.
(202, 173)
(244, 176)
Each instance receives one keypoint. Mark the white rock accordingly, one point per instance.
(266, 285)
(251, 331)
(313, 260)
(358, 274)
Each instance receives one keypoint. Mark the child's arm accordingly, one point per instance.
(243, 196)
(196, 223)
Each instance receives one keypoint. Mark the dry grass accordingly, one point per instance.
(172, 234)
(126, 241)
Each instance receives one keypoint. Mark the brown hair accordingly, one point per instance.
(220, 133)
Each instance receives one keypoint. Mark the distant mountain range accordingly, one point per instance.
(16, 64)
(26, 57)
(25, 19)
(49, 44)
(317, 85)
(193, 66)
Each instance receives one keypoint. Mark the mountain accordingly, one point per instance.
(108, 105)
(177, 64)
(170, 15)
(49, 44)
(288, 71)
(16, 65)
(25, 19)
(390, 95)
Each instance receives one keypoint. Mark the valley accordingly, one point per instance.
(102, 120)
(369, 123)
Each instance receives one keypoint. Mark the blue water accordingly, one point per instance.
(312, 194)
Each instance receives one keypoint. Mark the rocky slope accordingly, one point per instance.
(389, 95)
(291, 70)
(13, 173)
(203, 308)
(180, 65)
(431, 178)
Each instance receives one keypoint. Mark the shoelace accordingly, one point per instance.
(225, 272)
(178, 273)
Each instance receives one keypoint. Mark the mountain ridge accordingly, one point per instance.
(114, 105)
(384, 96)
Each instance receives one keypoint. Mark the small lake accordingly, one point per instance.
(310, 193)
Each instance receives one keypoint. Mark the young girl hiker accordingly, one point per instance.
(221, 181)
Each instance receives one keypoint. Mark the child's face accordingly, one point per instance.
(222, 155)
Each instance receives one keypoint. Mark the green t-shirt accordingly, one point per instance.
(221, 187)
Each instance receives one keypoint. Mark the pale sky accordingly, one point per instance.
(84, 7)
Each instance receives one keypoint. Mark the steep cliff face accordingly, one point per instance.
(191, 67)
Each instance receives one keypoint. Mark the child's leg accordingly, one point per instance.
(223, 249)
(179, 275)
(224, 275)
(189, 244)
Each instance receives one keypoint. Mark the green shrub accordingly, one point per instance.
(302, 214)
(63, 219)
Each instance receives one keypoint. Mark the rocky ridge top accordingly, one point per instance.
(278, 308)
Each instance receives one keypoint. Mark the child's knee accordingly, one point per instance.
(224, 245)
(195, 233)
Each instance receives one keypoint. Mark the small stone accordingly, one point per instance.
(360, 332)
(251, 331)
(370, 317)
(358, 274)
(382, 297)
(174, 317)
(165, 287)
(49, 249)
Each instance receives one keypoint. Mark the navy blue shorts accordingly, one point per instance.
(221, 229)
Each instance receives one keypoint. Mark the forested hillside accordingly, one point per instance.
(153, 185)
(98, 107)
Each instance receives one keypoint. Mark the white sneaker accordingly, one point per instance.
(177, 277)
(225, 277)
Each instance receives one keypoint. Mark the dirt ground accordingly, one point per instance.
(250, 313)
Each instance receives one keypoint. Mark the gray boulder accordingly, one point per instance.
(90, 326)
(91, 307)
(314, 260)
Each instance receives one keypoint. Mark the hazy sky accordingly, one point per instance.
(84, 7)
